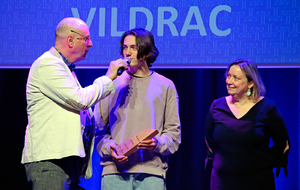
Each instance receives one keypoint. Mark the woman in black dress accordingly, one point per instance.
(238, 130)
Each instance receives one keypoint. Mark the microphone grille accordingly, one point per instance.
(128, 60)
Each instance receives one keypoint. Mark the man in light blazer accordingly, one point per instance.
(56, 148)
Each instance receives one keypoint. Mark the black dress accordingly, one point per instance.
(239, 148)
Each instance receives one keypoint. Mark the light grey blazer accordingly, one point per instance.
(55, 101)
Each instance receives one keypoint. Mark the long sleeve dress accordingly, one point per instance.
(240, 148)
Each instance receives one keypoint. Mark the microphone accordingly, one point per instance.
(122, 69)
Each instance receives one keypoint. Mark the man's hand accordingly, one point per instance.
(114, 66)
(150, 144)
(119, 159)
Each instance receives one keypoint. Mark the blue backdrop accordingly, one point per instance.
(188, 33)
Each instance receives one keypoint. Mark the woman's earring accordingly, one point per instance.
(249, 92)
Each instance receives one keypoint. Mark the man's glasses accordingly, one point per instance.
(85, 38)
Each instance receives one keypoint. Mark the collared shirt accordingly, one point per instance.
(69, 64)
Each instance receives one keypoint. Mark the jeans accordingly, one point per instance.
(132, 181)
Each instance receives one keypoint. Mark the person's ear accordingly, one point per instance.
(70, 41)
(250, 84)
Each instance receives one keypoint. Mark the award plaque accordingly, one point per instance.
(130, 145)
